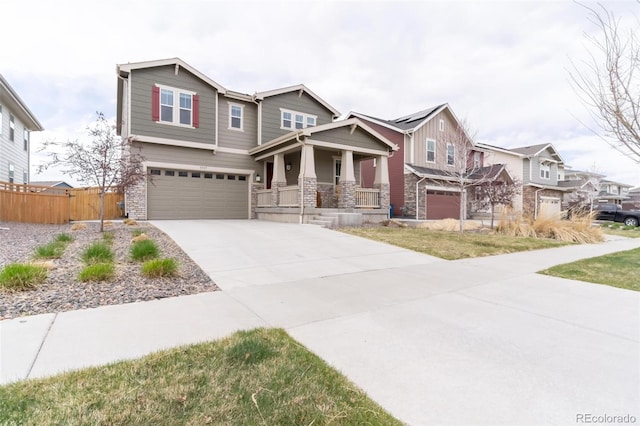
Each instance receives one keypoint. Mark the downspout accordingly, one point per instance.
(418, 198)
(301, 187)
(535, 214)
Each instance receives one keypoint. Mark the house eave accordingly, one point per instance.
(23, 112)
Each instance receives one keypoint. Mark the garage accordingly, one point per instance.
(550, 207)
(443, 205)
(186, 194)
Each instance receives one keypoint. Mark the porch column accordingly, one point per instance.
(381, 181)
(347, 184)
(307, 180)
(279, 179)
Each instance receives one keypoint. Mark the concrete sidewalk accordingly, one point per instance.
(476, 341)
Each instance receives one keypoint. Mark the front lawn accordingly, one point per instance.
(251, 378)
(621, 269)
(622, 231)
(452, 245)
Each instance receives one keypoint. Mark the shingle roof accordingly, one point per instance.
(486, 172)
(408, 122)
(529, 150)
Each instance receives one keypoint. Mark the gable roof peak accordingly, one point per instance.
(301, 88)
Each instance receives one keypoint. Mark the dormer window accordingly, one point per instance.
(545, 170)
(293, 120)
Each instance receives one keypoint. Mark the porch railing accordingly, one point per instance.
(367, 197)
(288, 196)
(264, 198)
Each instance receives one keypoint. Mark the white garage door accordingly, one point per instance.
(180, 194)
(550, 207)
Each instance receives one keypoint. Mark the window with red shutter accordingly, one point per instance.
(155, 103)
(196, 111)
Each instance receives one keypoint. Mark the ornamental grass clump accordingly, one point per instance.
(578, 229)
(97, 272)
(159, 268)
(98, 252)
(144, 250)
(49, 251)
(20, 276)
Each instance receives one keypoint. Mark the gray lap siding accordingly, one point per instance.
(271, 115)
(238, 139)
(142, 82)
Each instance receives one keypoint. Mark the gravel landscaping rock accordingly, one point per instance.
(62, 291)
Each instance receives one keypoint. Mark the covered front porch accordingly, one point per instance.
(314, 175)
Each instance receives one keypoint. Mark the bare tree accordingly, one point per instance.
(609, 83)
(106, 161)
(463, 169)
(497, 192)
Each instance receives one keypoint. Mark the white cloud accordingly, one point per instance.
(502, 65)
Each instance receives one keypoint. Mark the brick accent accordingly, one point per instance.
(385, 193)
(327, 194)
(347, 195)
(308, 195)
(136, 200)
(255, 187)
(274, 192)
(529, 199)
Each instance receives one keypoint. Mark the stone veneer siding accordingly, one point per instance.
(275, 193)
(255, 187)
(136, 201)
(385, 194)
(347, 195)
(529, 199)
(410, 197)
(308, 195)
(327, 195)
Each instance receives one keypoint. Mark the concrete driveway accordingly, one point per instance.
(480, 341)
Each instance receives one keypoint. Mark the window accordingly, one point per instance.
(476, 159)
(451, 154)
(242, 178)
(208, 175)
(231, 177)
(235, 116)
(441, 125)
(183, 174)
(169, 173)
(26, 139)
(175, 106)
(11, 171)
(154, 172)
(12, 127)
(219, 177)
(338, 168)
(25, 177)
(195, 175)
(545, 170)
(431, 151)
(296, 120)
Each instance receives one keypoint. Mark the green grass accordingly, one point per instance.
(64, 238)
(258, 377)
(137, 232)
(452, 245)
(144, 250)
(621, 269)
(50, 251)
(98, 252)
(19, 276)
(157, 268)
(623, 231)
(97, 272)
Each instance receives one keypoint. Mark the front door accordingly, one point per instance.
(269, 175)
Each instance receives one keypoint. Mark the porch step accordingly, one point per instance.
(325, 223)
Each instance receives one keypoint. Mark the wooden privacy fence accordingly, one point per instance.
(47, 204)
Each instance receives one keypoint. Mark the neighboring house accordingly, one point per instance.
(53, 183)
(432, 144)
(210, 152)
(541, 170)
(613, 192)
(584, 187)
(16, 123)
(633, 203)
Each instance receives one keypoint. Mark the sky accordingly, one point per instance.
(503, 66)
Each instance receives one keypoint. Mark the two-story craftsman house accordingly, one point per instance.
(210, 152)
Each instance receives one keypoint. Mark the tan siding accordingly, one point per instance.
(245, 139)
(291, 101)
(142, 82)
(431, 130)
(196, 157)
(359, 138)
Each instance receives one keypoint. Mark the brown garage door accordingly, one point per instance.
(180, 194)
(443, 205)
